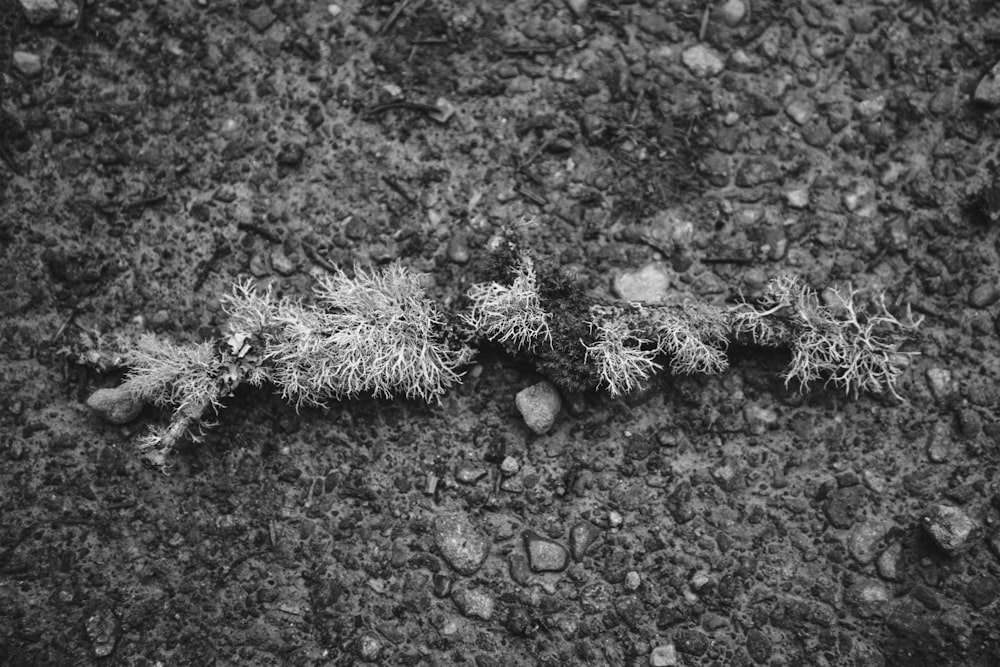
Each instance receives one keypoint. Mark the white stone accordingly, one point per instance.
(663, 656)
(732, 12)
(988, 90)
(28, 64)
(703, 61)
(40, 11)
(648, 285)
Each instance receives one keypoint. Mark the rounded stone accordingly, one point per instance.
(539, 405)
(28, 64)
(115, 405)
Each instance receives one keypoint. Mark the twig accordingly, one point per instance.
(259, 231)
(536, 199)
(239, 561)
(400, 104)
(530, 51)
(393, 16)
(398, 189)
(318, 259)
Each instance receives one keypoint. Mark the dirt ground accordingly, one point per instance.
(153, 152)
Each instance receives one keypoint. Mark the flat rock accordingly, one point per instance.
(648, 284)
(40, 11)
(474, 602)
(702, 61)
(28, 64)
(581, 537)
(988, 89)
(461, 544)
(544, 555)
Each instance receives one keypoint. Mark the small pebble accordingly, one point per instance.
(40, 11)
(369, 646)
(887, 563)
(474, 602)
(702, 61)
(581, 537)
(988, 90)
(544, 555)
(458, 248)
(28, 64)
(509, 466)
(949, 527)
(647, 285)
(468, 473)
(664, 655)
(867, 598)
(732, 12)
(539, 405)
(115, 405)
(103, 629)
(984, 295)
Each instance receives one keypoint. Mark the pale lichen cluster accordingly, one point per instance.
(377, 333)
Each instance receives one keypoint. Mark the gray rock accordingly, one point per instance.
(702, 61)
(261, 18)
(544, 555)
(103, 629)
(757, 171)
(578, 7)
(468, 473)
(982, 591)
(984, 295)
(949, 527)
(519, 569)
(539, 405)
(758, 646)
(692, 642)
(28, 64)
(845, 506)
(863, 541)
(867, 598)
(581, 537)
(115, 405)
(40, 11)
(369, 646)
(460, 543)
(988, 89)
(664, 655)
(731, 12)
(474, 602)
(888, 563)
(458, 248)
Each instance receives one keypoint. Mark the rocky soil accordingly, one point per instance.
(153, 152)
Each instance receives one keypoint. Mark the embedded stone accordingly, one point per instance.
(460, 543)
(544, 555)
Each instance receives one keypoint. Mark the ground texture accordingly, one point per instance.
(153, 152)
